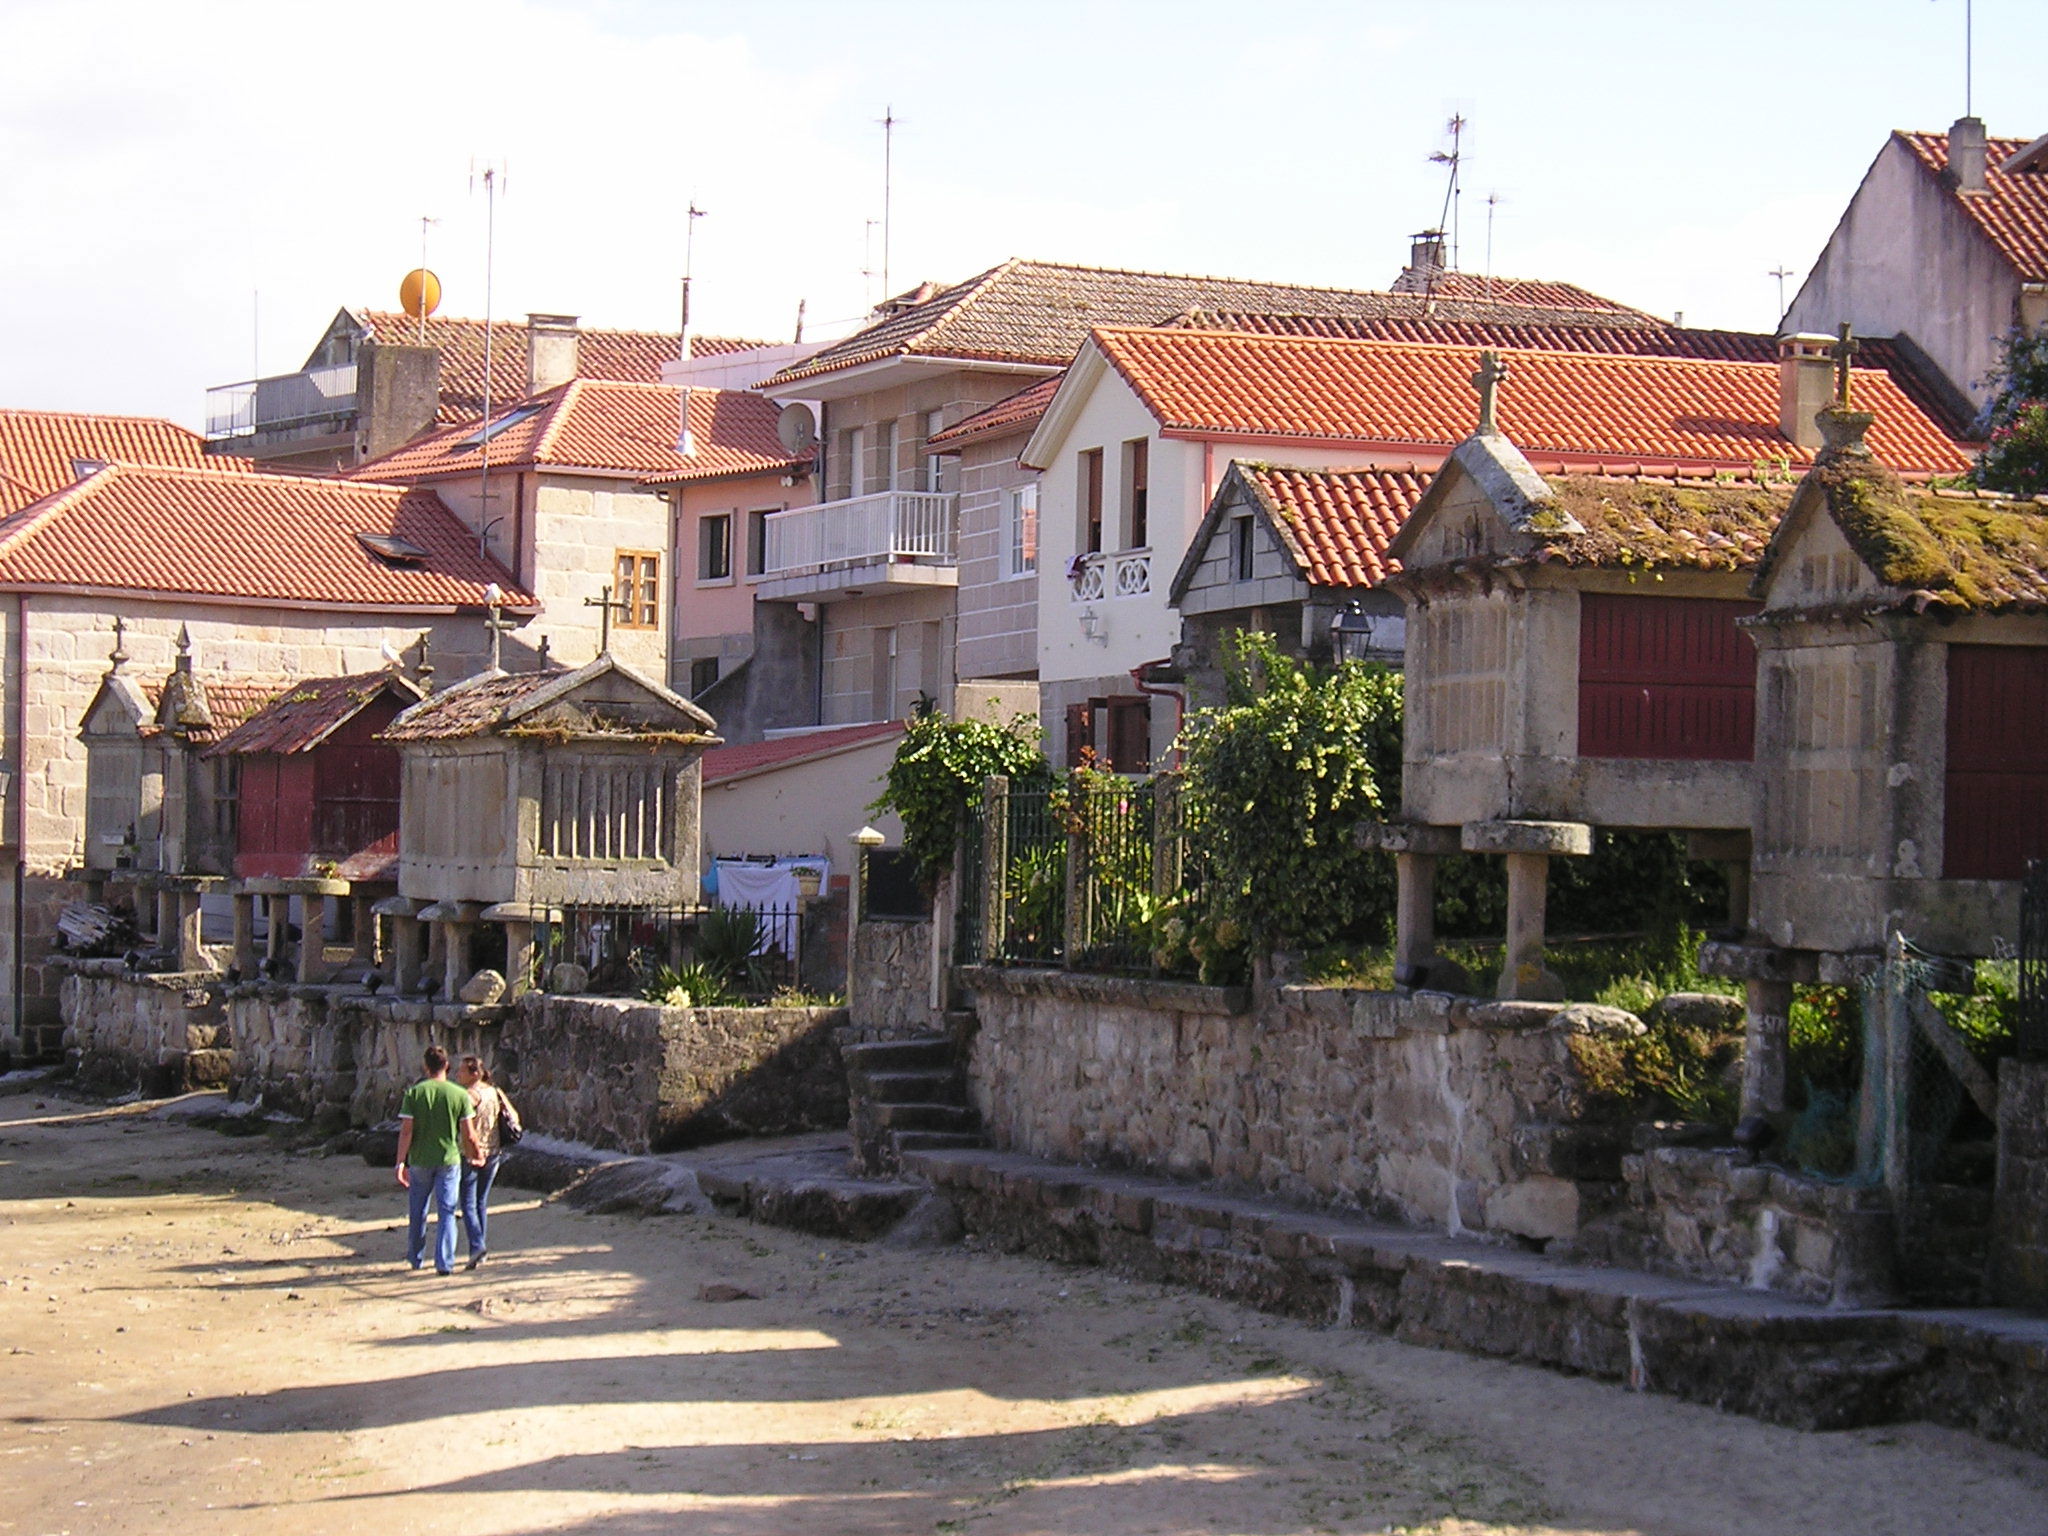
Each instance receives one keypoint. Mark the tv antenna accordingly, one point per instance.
(889, 121)
(1969, 60)
(867, 262)
(1492, 203)
(1780, 273)
(493, 175)
(684, 445)
(425, 223)
(1452, 158)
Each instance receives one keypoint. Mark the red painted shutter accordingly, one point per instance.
(1130, 735)
(1995, 801)
(1665, 677)
(1080, 733)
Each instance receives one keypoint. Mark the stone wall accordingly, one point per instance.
(1459, 1113)
(639, 1077)
(162, 1034)
(890, 979)
(1709, 1214)
(612, 1073)
(2019, 1255)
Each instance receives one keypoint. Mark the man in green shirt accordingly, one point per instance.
(436, 1133)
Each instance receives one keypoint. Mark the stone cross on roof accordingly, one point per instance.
(1491, 375)
(1844, 349)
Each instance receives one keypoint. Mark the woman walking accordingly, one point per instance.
(497, 1125)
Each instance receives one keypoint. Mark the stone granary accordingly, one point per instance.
(1572, 662)
(1902, 730)
(309, 796)
(524, 793)
(159, 830)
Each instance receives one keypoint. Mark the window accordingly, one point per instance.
(757, 541)
(1020, 542)
(714, 547)
(511, 418)
(227, 798)
(1091, 501)
(882, 473)
(636, 590)
(941, 470)
(703, 673)
(853, 444)
(1137, 474)
(1241, 548)
(80, 468)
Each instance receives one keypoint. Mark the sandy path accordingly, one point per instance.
(202, 1334)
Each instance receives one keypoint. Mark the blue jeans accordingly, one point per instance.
(441, 1186)
(476, 1202)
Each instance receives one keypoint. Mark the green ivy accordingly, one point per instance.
(937, 774)
(1280, 776)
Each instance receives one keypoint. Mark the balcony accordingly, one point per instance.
(1126, 573)
(893, 540)
(315, 402)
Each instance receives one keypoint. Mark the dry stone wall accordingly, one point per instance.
(162, 1034)
(891, 980)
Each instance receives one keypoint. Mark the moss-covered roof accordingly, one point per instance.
(1660, 524)
(1959, 550)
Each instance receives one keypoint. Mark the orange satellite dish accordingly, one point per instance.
(419, 293)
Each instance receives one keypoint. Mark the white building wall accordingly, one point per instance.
(1906, 259)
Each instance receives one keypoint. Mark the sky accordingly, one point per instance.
(188, 192)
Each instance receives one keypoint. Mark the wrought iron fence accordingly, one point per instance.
(2031, 1023)
(629, 951)
(1076, 875)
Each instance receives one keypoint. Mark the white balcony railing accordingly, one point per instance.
(1125, 573)
(888, 526)
(282, 401)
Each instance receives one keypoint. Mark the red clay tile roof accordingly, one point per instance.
(2012, 210)
(722, 763)
(229, 701)
(632, 357)
(1476, 288)
(1336, 523)
(38, 449)
(624, 429)
(309, 711)
(1618, 409)
(1011, 416)
(1631, 337)
(1037, 313)
(241, 534)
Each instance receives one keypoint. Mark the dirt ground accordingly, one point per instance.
(211, 1334)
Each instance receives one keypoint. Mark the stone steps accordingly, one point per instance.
(907, 1095)
(1752, 1352)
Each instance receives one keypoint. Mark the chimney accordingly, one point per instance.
(550, 351)
(1425, 262)
(1806, 382)
(1967, 153)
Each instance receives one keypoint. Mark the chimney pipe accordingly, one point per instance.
(551, 347)
(1968, 152)
(1806, 383)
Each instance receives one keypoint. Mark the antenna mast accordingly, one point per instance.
(1969, 62)
(483, 491)
(1448, 221)
(425, 221)
(684, 445)
(889, 120)
(1492, 202)
(1780, 273)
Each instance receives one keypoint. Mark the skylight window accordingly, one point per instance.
(510, 419)
(80, 468)
(393, 550)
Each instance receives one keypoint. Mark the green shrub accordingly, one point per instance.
(2015, 423)
(1277, 779)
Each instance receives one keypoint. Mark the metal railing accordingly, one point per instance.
(891, 525)
(626, 949)
(280, 401)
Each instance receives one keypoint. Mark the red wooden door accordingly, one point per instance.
(1665, 677)
(1995, 801)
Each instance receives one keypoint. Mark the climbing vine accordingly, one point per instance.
(938, 772)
